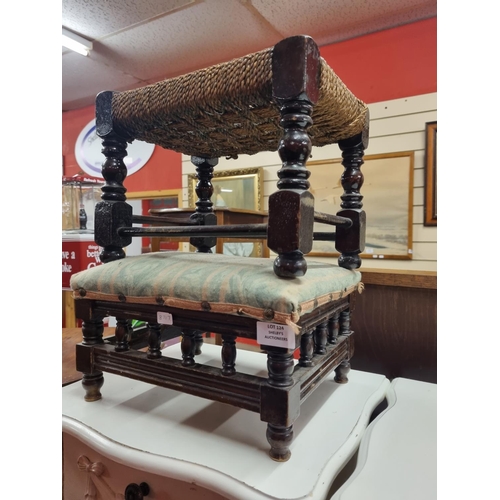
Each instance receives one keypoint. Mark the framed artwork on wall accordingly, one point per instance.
(430, 202)
(237, 193)
(167, 198)
(241, 188)
(387, 200)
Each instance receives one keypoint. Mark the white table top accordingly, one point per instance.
(221, 447)
(397, 457)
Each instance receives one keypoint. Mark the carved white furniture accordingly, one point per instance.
(184, 447)
(397, 457)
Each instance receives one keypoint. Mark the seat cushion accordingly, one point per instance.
(216, 282)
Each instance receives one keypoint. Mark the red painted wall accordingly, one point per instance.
(389, 64)
(162, 171)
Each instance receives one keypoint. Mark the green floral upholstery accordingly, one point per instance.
(220, 283)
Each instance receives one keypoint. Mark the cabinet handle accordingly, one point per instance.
(136, 491)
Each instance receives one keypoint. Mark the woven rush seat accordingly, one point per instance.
(284, 99)
(228, 109)
(217, 282)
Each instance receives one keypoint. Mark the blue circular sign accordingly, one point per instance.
(90, 158)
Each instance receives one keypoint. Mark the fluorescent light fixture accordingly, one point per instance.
(76, 43)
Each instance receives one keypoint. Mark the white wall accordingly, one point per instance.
(395, 126)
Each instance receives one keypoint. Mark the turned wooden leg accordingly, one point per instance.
(306, 349)
(154, 341)
(188, 347)
(280, 369)
(280, 438)
(228, 354)
(341, 372)
(92, 382)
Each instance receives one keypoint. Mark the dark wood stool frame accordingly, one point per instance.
(325, 339)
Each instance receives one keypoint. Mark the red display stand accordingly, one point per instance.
(79, 252)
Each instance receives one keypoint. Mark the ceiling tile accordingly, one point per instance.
(139, 42)
(329, 22)
(187, 39)
(95, 19)
(76, 88)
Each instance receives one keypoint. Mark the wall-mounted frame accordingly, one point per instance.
(430, 202)
(166, 198)
(387, 200)
(240, 188)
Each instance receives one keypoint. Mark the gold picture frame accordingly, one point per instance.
(165, 198)
(240, 188)
(237, 192)
(387, 200)
(430, 202)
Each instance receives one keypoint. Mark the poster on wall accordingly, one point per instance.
(88, 152)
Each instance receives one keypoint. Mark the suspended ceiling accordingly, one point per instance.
(140, 42)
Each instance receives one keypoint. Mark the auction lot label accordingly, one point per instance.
(276, 335)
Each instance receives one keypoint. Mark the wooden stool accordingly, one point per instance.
(285, 98)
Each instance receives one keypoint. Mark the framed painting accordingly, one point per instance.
(168, 198)
(240, 192)
(241, 188)
(430, 202)
(387, 200)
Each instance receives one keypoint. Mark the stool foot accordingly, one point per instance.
(341, 372)
(92, 385)
(280, 439)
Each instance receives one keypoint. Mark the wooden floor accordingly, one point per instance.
(72, 336)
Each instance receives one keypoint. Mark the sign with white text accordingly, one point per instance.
(77, 256)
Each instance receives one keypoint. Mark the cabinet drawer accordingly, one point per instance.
(107, 479)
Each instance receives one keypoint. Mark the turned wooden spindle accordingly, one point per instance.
(345, 322)
(204, 214)
(320, 338)
(198, 342)
(228, 354)
(122, 334)
(306, 348)
(294, 149)
(188, 347)
(112, 212)
(154, 341)
(291, 208)
(345, 329)
(333, 328)
(350, 242)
